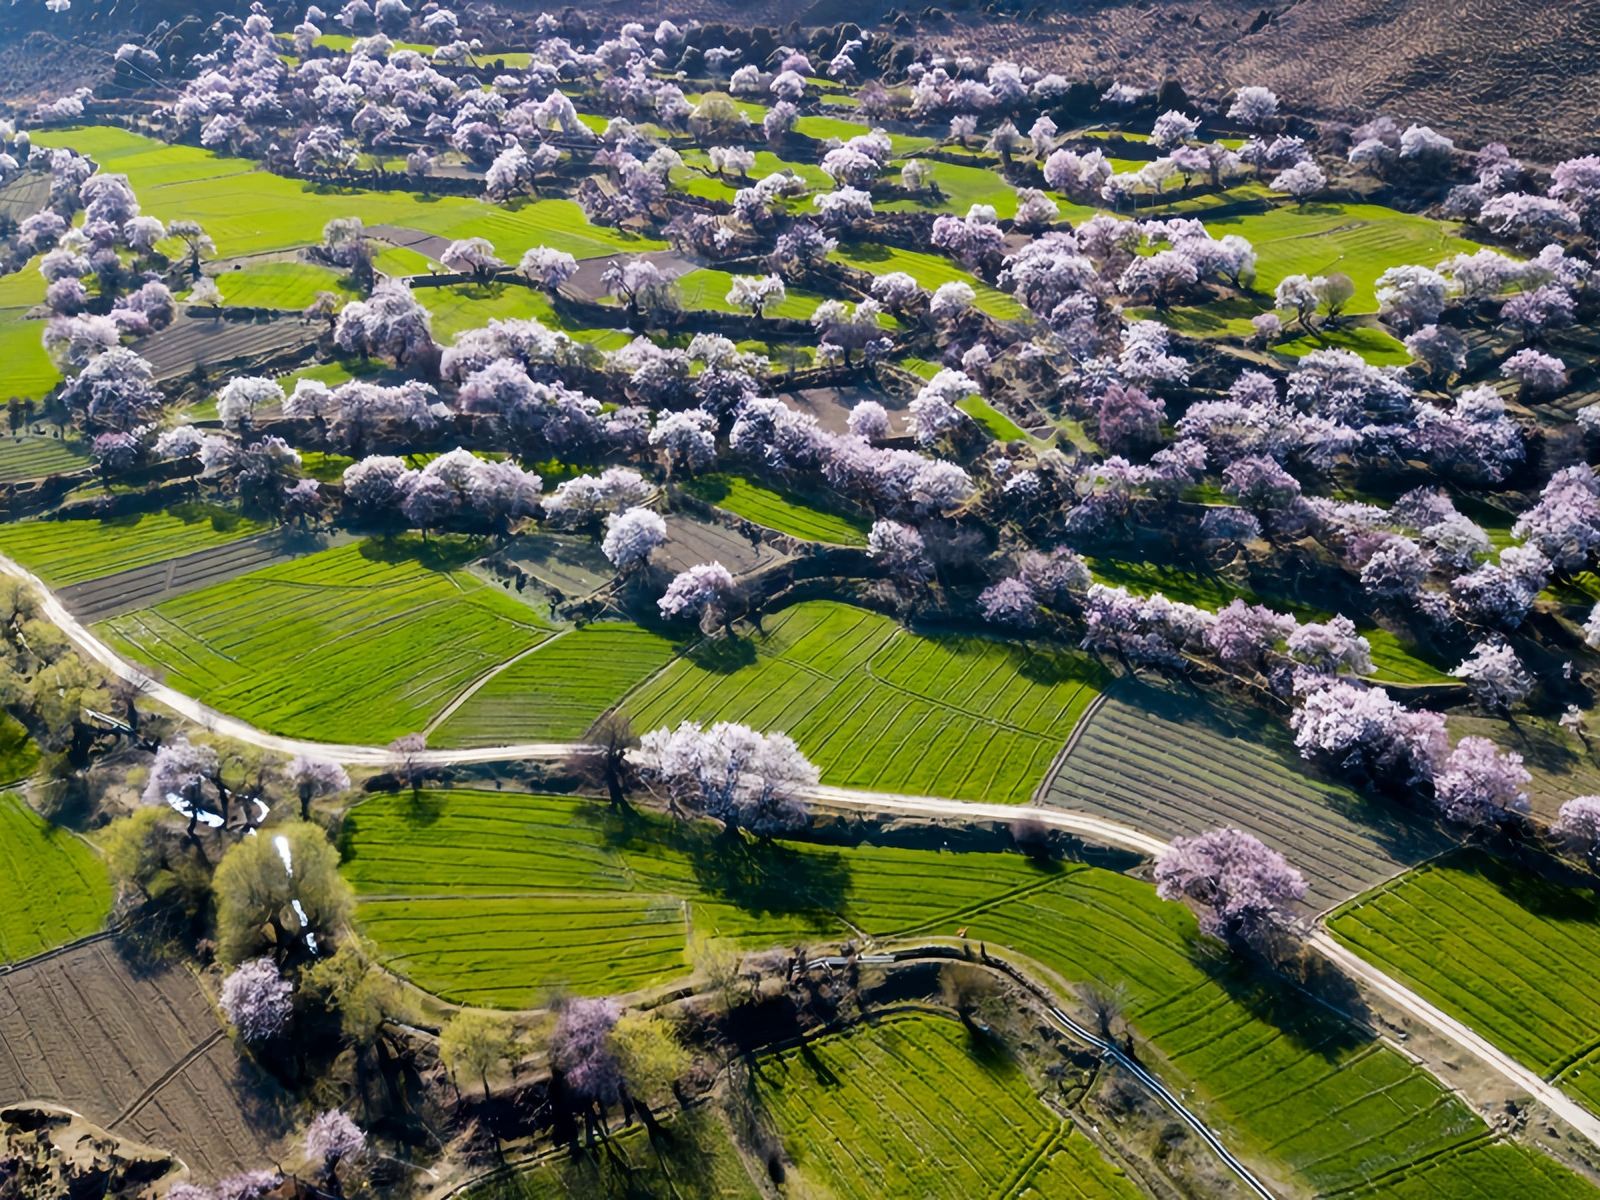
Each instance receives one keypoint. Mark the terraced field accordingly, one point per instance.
(1510, 954)
(911, 1106)
(557, 692)
(249, 211)
(359, 643)
(67, 552)
(1176, 764)
(56, 887)
(35, 456)
(503, 899)
(1360, 240)
(877, 706)
(777, 510)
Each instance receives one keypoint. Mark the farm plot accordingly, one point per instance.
(36, 456)
(783, 511)
(1509, 953)
(557, 692)
(281, 285)
(493, 898)
(249, 211)
(359, 643)
(29, 372)
(1484, 1170)
(1282, 1080)
(212, 341)
(877, 706)
(67, 552)
(563, 566)
(929, 270)
(691, 541)
(460, 307)
(139, 587)
(56, 887)
(1359, 240)
(138, 1052)
(1178, 765)
(912, 1106)
(694, 1156)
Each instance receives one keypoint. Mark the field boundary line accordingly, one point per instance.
(1553, 1098)
(1060, 760)
(477, 684)
(183, 1064)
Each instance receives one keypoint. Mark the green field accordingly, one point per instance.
(281, 285)
(919, 1105)
(876, 706)
(29, 372)
(472, 306)
(557, 692)
(502, 899)
(1510, 954)
(360, 643)
(929, 270)
(693, 1156)
(1360, 240)
(249, 211)
(999, 426)
(57, 889)
(35, 456)
(707, 288)
(777, 510)
(66, 552)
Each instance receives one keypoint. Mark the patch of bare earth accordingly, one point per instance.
(137, 1050)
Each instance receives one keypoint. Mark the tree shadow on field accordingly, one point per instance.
(446, 552)
(762, 877)
(820, 1071)
(1310, 1003)
(722, 656)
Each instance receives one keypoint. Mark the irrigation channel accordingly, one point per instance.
(1090, 828)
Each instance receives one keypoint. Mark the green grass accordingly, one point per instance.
(929, 270)
(1484, 1171)
(876, 706)
(780, 510)
(504, 899)
(921, 1105)
(67, 552)
(1378, 346)
(35, 456)
(473, 305)
(1360, 240)
(248, 211)
(557, 692)
(29, 373)
(694, 1156)
(1510, 954)
(707, 288)
(56, 887)
(999, 426)
(360, 643)
(280, 285)
(823, 128)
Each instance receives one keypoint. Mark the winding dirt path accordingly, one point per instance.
(1096, 829)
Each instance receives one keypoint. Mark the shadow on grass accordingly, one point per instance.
(754, 875)
(1295, 996)
(444, 552)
